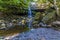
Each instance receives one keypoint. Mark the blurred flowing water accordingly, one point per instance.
(29, 17)
(39, 34)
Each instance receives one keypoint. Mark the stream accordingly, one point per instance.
(38, 34)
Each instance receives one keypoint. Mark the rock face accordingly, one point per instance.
(39, 34)
(11, 23)
(2, 24)
(56, 24)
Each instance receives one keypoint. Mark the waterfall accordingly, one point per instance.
(29, 17)
(29, 20)
(29, 12)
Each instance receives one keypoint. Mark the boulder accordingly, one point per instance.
(56, 24)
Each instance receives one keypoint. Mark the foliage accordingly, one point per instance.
(21, 6)
(13, 6)
(18, 6)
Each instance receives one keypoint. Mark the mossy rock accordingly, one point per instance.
(38, 16)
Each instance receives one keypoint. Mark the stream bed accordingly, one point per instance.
(39, 34)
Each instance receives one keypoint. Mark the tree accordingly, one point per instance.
(13, 6)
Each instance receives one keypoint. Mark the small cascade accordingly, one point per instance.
(29, 12)
(29, 17)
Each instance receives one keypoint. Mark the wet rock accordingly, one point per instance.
(2, 21)
(2, 26)
(56, 24)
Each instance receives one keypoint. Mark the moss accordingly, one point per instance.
(38, 16)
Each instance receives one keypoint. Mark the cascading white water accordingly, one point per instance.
(29, 17)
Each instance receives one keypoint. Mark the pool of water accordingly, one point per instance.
(39, 34)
